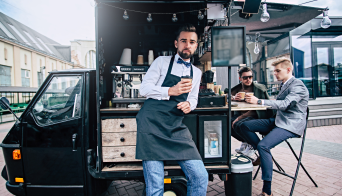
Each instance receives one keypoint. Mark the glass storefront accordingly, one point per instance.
(317, 57)
(316, 54)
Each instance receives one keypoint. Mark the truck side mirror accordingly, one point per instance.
(5, 105)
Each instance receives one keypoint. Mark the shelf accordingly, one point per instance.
(129, 100)
(206, 57)
(121, 73)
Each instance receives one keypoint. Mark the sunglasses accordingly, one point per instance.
(247, 77)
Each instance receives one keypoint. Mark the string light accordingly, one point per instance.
(149, 18)
(200, 15)
(125, 16)
(174, 18)
(265, 16)
(326, 22)
(256, 46)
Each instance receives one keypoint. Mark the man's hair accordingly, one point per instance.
(187, 28)
(285, 62)
(243, 70)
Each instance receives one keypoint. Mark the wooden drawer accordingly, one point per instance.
(119, 125)
(119, 139)
(119, 154)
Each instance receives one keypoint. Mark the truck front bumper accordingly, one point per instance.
(17, 190)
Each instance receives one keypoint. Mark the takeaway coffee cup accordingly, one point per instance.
(186, 78)
(242, 95)
(250, 93)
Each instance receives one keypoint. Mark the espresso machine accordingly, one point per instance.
(126, 83)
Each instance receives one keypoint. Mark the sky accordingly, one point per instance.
(67, 20)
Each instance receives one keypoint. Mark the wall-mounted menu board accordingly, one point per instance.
(228, 46)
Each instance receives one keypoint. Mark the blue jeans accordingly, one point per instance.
(274, 136)
(194, 170)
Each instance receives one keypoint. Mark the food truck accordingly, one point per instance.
(78, 133)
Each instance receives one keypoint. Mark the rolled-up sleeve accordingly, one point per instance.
(149, 88)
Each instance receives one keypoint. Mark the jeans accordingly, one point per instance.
(194, 170)
(274, 136)
(236, 128)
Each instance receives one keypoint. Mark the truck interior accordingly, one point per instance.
(114, 34)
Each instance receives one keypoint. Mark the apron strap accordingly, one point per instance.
(170, 65)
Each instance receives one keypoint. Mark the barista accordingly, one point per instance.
(161, 134)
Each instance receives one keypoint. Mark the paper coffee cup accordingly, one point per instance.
(186, 78)
(250, 93)
(242, 95)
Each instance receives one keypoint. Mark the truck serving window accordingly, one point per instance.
(61, 101)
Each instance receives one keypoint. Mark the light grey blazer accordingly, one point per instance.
(291, 104)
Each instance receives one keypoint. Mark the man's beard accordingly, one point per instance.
(185, 55)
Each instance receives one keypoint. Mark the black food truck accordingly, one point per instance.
(78, 133)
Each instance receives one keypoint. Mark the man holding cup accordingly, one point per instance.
(171, 86)
(239, 92)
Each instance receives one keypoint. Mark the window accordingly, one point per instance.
(25, 78)
(5, 53)
(64, 103)
(20, 35)
(28, 35)
(4, 29)
(44, 45)
(90, 59)
(5, 75)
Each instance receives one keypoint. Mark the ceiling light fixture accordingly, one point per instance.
(125, 16)
(265, 16)
(326, 22)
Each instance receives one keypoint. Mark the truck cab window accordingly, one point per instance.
(61, 101)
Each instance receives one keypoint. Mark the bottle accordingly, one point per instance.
(213, 144)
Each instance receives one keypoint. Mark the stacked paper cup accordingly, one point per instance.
(126, 57)
(150, 57)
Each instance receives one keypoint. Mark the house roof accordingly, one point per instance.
(19, 33)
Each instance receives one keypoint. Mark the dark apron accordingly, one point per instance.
(161, 133)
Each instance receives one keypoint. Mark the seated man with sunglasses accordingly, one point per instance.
(247, 86)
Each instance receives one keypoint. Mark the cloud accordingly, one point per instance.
(60, 20)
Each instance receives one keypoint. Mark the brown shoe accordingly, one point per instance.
(264, 194)
(257, 161)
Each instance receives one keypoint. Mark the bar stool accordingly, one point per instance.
(299, 159)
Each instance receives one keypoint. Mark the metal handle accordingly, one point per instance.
(122, 154)
(122, 139)
(122, 125)
(74, 136)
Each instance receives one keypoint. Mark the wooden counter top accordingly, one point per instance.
(240, 107)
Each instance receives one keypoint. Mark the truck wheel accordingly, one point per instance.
(171, 190)
(174, 190)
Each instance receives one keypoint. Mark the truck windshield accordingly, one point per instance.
(60, 101)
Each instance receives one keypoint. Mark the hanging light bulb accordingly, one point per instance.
(149, 18)
(265, 16)
(200, 15)
(256, 48)
(326, 22)
(125, 16)
(222, 8)
(174, 18)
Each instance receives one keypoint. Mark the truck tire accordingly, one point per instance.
(171, 190)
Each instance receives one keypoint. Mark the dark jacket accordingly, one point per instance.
(260, 92)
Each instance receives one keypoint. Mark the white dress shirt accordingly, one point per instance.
(155, 76)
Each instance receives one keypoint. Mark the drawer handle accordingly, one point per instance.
(122, 154)
(122, 125)
(122, 139)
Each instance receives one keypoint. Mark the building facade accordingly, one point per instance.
(26, 56)
(83, 53)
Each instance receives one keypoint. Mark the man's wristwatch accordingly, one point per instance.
(259, 101)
